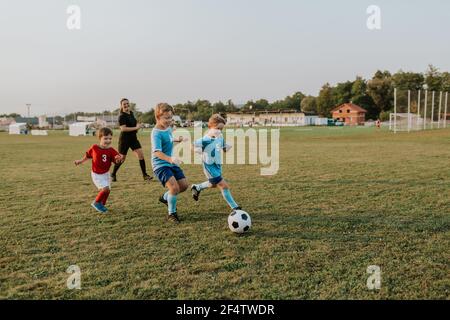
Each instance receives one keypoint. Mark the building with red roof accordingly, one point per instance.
(350, 114)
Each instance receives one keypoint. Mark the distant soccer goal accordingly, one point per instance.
(419, 110)
(405, 122)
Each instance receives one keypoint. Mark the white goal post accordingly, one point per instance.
(419, 110)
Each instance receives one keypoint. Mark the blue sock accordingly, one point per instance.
(165, 195)
(172, 203)
(203, 185)
(229, 198)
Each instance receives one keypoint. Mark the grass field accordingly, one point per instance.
(342, 200)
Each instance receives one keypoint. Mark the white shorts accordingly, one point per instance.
(101, 180)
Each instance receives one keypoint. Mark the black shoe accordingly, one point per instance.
(237, 208)
(162, 200)
(113, 178)
(195, 193)
(147, 178)
(173, 217)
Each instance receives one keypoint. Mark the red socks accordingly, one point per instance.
(102, 196)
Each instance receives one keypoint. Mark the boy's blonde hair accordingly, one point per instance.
(215, 119)
(162, 108)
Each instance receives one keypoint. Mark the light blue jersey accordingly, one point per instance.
(211, 155)
(162, 140)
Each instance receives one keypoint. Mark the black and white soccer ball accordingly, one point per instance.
(239, 221)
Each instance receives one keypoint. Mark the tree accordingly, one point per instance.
(445, 86)
(343, 92)
(278, 105)
(258, 105)
(219, 107)
(325, 101)
(309, 104)
(231, 107)
(148, 117)
(11, 115)
(408, 80)
(204, 110)
(381, 91)
(293, 102)
(360, 97)
(433, 78)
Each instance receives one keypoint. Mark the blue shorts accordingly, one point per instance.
(165, 173)
(215, 180)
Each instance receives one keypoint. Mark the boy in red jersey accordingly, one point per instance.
(102, 156)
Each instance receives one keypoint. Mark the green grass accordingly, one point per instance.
(342, 200)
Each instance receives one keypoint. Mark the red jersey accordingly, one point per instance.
(101, 158)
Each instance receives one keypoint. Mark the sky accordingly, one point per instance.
(153, 51)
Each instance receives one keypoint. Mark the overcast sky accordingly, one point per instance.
(177, 50)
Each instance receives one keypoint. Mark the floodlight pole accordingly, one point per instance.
(418, 110)
(28, 109)
(425, 112)
(445, 116)
(440, 110)
(432, 109)
(395, 110)
(409, 110)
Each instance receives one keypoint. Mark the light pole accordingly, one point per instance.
(28, 109)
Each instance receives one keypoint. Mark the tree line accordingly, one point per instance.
(376, 95)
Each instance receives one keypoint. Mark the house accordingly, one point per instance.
(270, 118)
(350, 114)
(5, 122)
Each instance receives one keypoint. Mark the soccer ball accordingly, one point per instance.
(239, 221)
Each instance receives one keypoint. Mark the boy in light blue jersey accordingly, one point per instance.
(210, 146)
(165, 166)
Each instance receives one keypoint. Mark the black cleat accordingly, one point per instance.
(113, 178)
(148, 178)
(162, 200)
(173, 217)
(195, 193)
(237, 208)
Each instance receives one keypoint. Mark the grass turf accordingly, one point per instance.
(342, 200)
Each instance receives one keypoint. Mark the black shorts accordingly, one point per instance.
(125, 144)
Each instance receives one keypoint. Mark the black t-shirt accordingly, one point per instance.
(129, 121)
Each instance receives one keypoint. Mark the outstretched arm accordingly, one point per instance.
(180, 139)
(226, 147)
(163, 156)
(81, 161)
(118, 159)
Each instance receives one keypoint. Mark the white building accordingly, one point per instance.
(321, 122)
(18, 128)
(43, 122)
(110, 121)
(271, 118)
(79, 129)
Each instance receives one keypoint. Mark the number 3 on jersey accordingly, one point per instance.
(104, 157)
